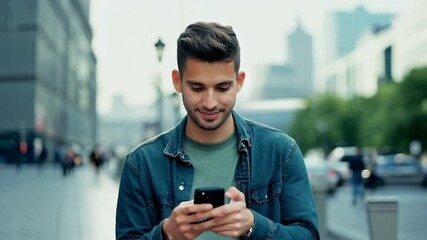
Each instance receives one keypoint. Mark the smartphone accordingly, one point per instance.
(212, 195)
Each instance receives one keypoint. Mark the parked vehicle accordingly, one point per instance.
(319, 170)
(399, 169)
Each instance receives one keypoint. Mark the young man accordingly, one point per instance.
(262, 170)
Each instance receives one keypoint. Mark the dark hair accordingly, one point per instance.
(208, 41)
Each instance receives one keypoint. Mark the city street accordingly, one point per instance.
(41, 204)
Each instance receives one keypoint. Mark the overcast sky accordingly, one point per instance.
(125, 32)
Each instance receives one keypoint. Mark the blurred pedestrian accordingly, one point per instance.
(68, 161)
(41, 159)
(96, 157)
(357, 165)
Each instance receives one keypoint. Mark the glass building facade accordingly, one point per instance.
(47, 77)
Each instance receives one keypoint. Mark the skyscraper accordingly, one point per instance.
(47, 76)
(295, 78)
(346, 28)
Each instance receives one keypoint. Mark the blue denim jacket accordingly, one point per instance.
(157, 176)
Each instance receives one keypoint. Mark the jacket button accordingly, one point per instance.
(181, 188)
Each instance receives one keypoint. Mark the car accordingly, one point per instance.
(319, 170)
(399, 169)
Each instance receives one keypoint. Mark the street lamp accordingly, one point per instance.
(160, 46)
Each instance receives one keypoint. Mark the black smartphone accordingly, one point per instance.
(212, 195)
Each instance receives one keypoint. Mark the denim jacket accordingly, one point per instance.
(158, 174)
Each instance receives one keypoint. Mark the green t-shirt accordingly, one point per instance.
(214, 165)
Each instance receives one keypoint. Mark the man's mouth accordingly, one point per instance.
(209, 115)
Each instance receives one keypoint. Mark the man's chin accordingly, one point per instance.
(209, 127)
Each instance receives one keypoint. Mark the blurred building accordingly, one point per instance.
(294, 79)
(346, 27)
(125, 125)
(380, 56)
(47, 76)
(277, 113)
(283, 88)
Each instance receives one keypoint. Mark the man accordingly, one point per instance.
(261, 168)
(357, 165)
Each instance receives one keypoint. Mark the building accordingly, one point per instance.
(277, 113)
(126, 125)
(346, 28)
(47, 77)
(294, 79)
(283, 88)
(379, 57)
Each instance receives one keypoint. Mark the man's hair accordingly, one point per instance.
(208, 41)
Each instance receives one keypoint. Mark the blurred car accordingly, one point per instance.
(338, 158)
(319, 170)
(399, 169)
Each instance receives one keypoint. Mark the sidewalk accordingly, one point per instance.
(344, 220)
(41, 204)
(348, 222)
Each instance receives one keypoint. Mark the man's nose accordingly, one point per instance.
(210, 99)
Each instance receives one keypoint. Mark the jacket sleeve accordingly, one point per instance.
(132, 215)
(298, 210)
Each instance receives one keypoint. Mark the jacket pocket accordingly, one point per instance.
(162, 206)
(266, 192)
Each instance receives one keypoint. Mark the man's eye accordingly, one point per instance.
(197, 89)
(223, 88)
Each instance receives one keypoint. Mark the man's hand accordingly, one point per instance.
(232, 219)
(179, 225)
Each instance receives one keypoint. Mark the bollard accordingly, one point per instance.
(320, 191)
(382, 217)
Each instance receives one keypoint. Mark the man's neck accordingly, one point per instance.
(210, 136)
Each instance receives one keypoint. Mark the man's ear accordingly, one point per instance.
(240, 80)
(176, 79)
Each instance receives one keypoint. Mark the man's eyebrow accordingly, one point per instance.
(226, 82)
(192, 82)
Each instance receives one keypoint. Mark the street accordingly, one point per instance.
(41, 204)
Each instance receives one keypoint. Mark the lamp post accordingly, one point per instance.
(160, 46)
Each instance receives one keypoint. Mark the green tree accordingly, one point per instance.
(317, 125)
(391, 119)
(412, 103)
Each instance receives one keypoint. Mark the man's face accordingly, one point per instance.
(208, 91)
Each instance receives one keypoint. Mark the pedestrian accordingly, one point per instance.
(68, 158)
(267, 192)
(41, 159)
(96, 157)
(357, 165)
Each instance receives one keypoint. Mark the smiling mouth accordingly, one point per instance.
(209, 115)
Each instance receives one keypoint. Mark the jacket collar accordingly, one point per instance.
(175, 145)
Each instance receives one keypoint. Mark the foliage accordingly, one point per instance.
(391, 119)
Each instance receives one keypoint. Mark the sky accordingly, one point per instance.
(125, 32)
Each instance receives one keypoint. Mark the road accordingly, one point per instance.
(41, 204)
